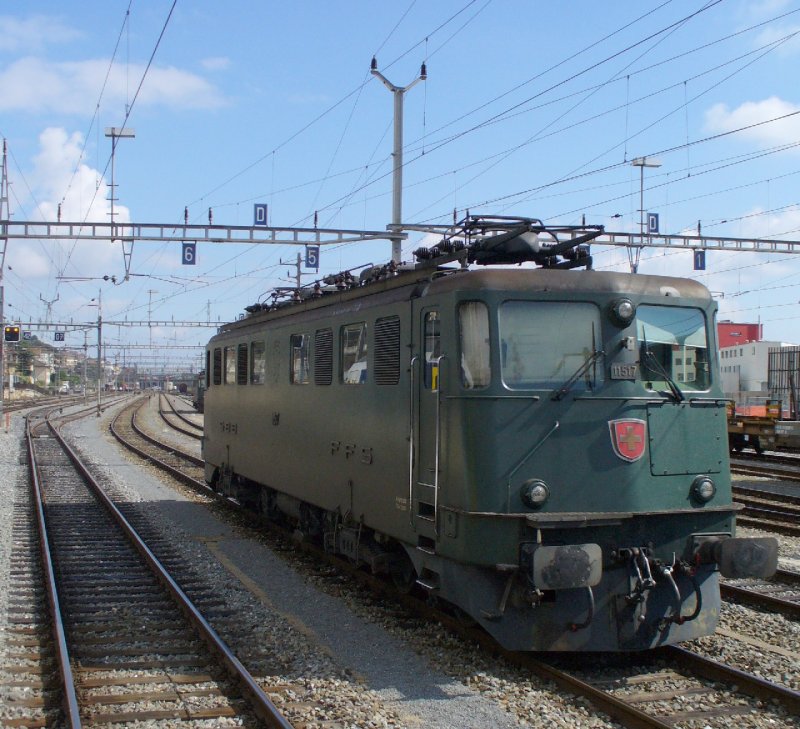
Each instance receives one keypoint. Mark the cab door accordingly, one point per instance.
(427, 384)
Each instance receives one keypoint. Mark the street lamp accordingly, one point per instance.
(641, 163)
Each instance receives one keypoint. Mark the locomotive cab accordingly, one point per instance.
(571, 441)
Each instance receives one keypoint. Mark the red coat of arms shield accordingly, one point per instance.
(628, 438)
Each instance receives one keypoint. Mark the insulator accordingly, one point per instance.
(445, 246)
(374, 65)
(422, 253)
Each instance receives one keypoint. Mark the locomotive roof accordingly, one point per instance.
(601, 282)
(411, 284)
(483, 247)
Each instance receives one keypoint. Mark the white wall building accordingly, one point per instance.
(744, 369)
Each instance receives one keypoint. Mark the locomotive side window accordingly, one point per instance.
(230, 365)
(218, 366)
(673, 346)
(354, 354)
(543, 344)
(258, 363)
(298, 346)
(433, 349)
(323, 357)
(473, 317)
(241, 365)
(208, 368)
(387, 351)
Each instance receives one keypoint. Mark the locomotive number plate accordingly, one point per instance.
(624, 371)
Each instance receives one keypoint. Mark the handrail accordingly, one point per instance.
(411, 452)
(437, 444)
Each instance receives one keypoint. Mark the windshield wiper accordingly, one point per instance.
(659, 369)
(587, 363)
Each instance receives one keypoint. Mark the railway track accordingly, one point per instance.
(780, 594)
(17, 405)
(126, 645)
(771, 509)
(648, 695)
(181, 465)
(171, 414)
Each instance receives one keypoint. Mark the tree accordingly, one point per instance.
(24, 362)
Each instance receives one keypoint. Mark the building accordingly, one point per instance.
(744, 369)
(749, 367)
(731, 333)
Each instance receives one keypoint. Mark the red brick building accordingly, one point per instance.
(730, 333)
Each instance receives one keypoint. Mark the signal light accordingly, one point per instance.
(11, 333)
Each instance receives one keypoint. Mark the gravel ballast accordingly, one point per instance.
(331, 642)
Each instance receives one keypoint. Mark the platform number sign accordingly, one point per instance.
(59, 336)
(312, 257)
(189, 254)
(699, 260)
(260, 214)
(652, 223)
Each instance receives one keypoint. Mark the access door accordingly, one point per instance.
(427, 385)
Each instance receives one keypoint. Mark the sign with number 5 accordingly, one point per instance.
(312, 257)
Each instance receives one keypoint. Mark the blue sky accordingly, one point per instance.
(529, 108)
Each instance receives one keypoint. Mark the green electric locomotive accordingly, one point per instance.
(543, 448)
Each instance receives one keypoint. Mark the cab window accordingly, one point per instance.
(473, 318)
(299, 346)
(353, 348)
(673, 345)
(433, 349)
(258, 363)
(545, 343)
(230, 365)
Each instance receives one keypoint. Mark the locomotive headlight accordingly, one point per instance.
(622, 311)
(703, 489)
(534, 493)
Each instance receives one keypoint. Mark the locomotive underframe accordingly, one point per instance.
(649, 593)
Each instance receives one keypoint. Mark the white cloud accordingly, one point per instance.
(218, 63)
(58, 173)
(34, 33)
(59, 176)
(720, 118)
(759, 9)
(35, 85)
(772, 35)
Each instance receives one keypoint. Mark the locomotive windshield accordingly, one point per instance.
(543, 344)
(674, 347)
